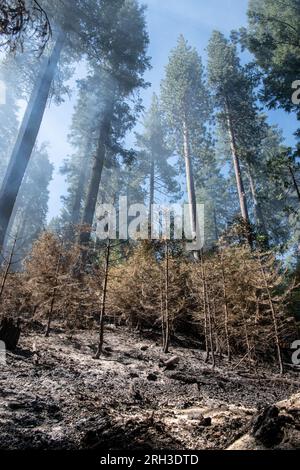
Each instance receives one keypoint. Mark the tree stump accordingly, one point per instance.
(9, 333)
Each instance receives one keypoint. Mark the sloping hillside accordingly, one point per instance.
(54, 395)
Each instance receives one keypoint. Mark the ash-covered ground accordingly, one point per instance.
(54, 395)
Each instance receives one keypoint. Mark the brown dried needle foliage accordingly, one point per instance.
(134, 289)
(59, 289)
(242, 305)
(150, 291)
(13, 294)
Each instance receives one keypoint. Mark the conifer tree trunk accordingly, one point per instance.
(210, 328)
(209, 334)
(79, 196)
(162, 311)
(237, 170)
(167, 312)
(103, 302)
(76, 208)
(204, 296)
(8, 266)
(216, 224)
(218, 348)
(54, 293)
(226, 312)
(99, 160)
(274, 317)
(27, 137)
(249, 349)
(294, 181)
(190, 185)
(151, 194)
(259, 217)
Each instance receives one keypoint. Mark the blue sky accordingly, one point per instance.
(167, 19)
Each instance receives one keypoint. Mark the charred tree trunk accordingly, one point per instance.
(190, 186)
(162, 311)
(210, 328)
(167, 326)
(226, 311)
(103, 302)
(53, 297)
(10, 333)
(274, 317)
(8, 266)
(218, 348)
(27, 137)
(208, 322)
(204, 296)
(249, 349)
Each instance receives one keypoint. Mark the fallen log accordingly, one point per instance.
(171, 363)
(292, 366)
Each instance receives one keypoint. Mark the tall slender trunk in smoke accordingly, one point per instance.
(27, 137)
(99, 160)
(76, 207)
(237, 170)
(22, 227)
(190, 185)
(216, 224)
(258, 213)
(151, 193)
(75, 218)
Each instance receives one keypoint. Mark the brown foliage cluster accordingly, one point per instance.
(137, 289)
(58, 286)
(243, 304)
(235, 300)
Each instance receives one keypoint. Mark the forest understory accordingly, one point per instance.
(55, 395)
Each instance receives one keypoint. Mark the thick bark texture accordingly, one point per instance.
(27, 137)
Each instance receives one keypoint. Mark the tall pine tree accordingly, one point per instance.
(186, 106)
